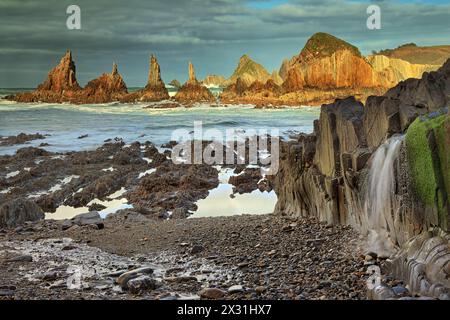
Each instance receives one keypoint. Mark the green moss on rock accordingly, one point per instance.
(427, 143)
(324, 45)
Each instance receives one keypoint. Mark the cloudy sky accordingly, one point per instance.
(211, 33)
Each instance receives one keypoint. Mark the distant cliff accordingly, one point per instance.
(391, 70)
(249, 71)
(325, 69)
(214, 80)
(432, 55)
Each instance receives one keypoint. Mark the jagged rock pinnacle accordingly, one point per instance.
(114, 69)
(191, 73)
(154, 75)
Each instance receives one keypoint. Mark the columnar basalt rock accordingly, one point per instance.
(193, 91)
(398, 108)
(325, 174)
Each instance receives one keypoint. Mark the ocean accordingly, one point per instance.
(64, 123)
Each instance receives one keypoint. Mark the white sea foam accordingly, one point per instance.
(146, 173)
(12, 174)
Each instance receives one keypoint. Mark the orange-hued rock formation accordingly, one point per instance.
(248, 71)
(214, 80)
(62, 77)
(432, 55)
(327, 62)
(106, 88)
(155, 89)
(327, 68)
(59, 86)
(391, 70)
(193, 91)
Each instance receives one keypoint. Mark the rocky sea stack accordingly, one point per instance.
(108, 87)
(249, 71)
(154, 91)
(327, 62)
(61, 84)
(193, 91)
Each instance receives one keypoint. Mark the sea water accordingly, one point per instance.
(64, 123)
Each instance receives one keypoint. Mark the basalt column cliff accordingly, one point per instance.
(382, 167)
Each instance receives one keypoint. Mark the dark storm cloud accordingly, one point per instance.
(213, 34)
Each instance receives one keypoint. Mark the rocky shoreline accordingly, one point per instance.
(146, 177)
(236, 257)
(239, 257)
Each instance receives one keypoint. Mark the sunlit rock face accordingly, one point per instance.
(59, 86)
(62, 77)
(327, 62)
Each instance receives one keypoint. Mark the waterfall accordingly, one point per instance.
(380, 198)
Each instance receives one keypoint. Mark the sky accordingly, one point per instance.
(213, 34)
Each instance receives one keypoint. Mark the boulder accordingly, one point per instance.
(141, 284)
(124, 279)
(212, 293)
(19, 211)
(84, 219)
